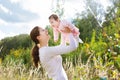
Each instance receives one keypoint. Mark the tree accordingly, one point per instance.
(90, 20)
(20, 41)
(58, 7)
(112, 30)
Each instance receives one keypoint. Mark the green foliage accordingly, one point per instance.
(16, 42)
(86, 26)
(22, 55)
(51, 41)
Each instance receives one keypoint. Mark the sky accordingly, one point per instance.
(20, 16)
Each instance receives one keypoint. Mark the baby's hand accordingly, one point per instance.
(66, 30)
(55, 40)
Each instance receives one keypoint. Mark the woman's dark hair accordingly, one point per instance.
(53, 16)
(35, 51)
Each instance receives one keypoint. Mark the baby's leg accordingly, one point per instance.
(63, 40)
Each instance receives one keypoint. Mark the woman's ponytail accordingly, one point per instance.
(35, 55)
(35, 51)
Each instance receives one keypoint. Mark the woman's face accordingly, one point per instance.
(44, 35)
(53, 22)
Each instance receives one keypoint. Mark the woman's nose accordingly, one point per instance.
(46, 30)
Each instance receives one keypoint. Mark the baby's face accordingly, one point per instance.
(54, 23)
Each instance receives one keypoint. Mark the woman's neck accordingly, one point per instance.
(43, 44)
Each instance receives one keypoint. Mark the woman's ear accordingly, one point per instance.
(38, 38)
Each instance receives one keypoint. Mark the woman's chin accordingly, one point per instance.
(48, 37)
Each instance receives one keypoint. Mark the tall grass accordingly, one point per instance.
(16, 70)
(91, 70)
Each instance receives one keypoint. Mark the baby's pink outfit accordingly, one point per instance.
(65, 36)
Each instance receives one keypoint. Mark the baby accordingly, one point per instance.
(61, 26)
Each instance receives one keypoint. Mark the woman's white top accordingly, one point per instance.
(51, 60)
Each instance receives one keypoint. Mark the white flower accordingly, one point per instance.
(109, 50)
(111, 37)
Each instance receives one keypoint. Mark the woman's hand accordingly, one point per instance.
(55, 40)
(66, 30)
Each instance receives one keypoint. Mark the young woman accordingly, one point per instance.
(50, 56)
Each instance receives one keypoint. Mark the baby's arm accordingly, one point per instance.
(55, 34)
